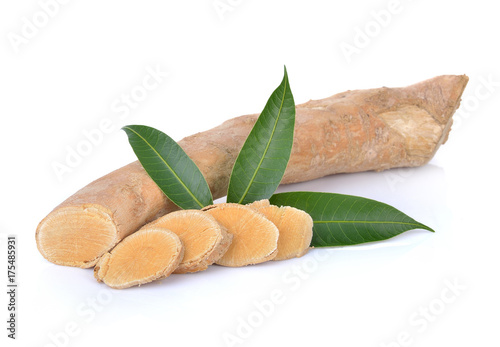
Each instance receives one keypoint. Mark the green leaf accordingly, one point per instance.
(262, 161)
(169, 167)
(341, 220)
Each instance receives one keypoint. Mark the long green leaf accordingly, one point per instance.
(262, 161)
(347, 220)
(169, 167)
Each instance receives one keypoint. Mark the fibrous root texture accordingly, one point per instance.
(295, 228)
(77, 235)
(190, 240)
(204, 239)
(150, 254)
(255, 238)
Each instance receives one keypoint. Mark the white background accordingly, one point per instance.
(65, 73)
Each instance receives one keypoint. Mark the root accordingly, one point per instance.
(359, 130)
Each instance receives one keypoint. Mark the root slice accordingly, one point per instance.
(204, 239)
(294, 225)
(255, 238)
(149, 254)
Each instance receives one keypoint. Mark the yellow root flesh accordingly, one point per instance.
(145, 256)
(78, 235)
(295, 228)
(255, 238)
(204, 239)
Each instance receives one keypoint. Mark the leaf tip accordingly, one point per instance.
(429, 229)
(425, 227)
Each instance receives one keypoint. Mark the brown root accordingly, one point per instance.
(358, 130)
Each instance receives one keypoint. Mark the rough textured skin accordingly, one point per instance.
(354, 131)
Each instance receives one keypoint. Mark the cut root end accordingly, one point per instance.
(76, 236)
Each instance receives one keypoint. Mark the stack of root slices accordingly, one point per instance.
(190, 240)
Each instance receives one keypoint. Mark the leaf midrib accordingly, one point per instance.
(170, 168)
(268, 144)
(363, 222)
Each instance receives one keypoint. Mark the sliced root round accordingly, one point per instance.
(203, 238)
(147, 255)
(295, 228)
(255, 238)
